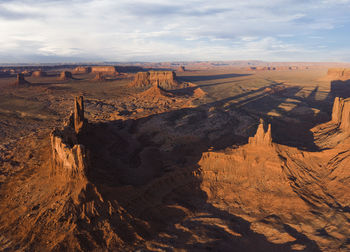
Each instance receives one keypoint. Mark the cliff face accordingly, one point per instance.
(338, 74)
(69, 158)
(163, 79)
(341, 113)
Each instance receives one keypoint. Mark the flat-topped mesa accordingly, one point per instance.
(104, 69)
(261, 138)
(164, 79)
(341, 113)
(82, 70)
(338, 74)
(66, 75)
(21, 81)
(69, 158)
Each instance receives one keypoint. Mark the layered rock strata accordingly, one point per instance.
(163, 79)
(69, 158)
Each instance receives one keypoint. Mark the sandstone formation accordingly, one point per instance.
(164, 79)
(104, 69)
(21, 81)
(261, 137)
(341, 113)
(65, 75)
(82, 70)
(338, 74)
(69, 158)
(99, 77)
(181, 69)
(39, 73)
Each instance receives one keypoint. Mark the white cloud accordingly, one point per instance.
(167, 30)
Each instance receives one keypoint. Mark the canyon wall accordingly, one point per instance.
(341, 113)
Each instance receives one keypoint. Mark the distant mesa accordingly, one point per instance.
(39, 73)
(104, 69)
(82, 70)
(181, 69)
(21, 81)
(276, 68)
(338, 74)
(66, 75)
(164, 79)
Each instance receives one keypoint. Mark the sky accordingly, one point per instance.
(48, 31)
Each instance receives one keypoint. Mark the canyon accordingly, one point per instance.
(155, 160)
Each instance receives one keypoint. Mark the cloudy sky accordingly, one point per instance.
(168, 30)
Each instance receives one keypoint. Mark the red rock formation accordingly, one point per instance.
(82, 70)
(163, 79)
(39, 73)
(79, 120)
(69, 158)
(341, 113)
(338, 74)
(181, 69)
(261, 137)
(65, 75)
(104, 69)
(21, 81)
(99, 77)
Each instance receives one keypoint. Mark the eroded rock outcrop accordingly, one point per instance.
(39, 73)
(261, 137)
(21, 81)
(99, 77)
(66, 75)
(69, 158)
(181, 69)
(164, 79)
(82, 70)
